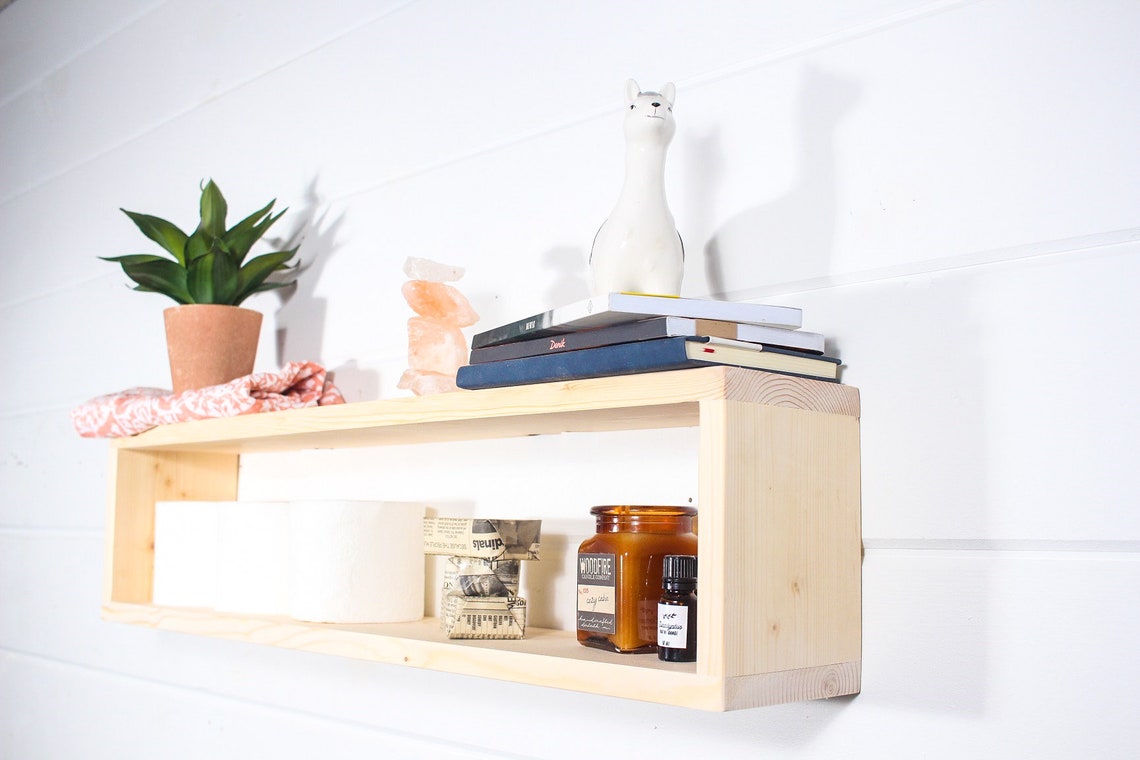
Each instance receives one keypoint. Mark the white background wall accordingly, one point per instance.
(949, 189)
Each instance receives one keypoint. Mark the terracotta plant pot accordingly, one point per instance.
(209, 344)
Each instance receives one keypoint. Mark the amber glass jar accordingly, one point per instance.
(619, 573)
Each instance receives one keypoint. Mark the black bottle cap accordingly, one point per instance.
(679, 567)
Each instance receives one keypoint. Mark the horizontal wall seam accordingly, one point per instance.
(138, 135)
(833, 39)
(1003, 545)
(127, 21)
(1080, 244)
(474, 750)
(53, 408)
(49, 531)
(818, 43)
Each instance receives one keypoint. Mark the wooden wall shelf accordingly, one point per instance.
(779, 545)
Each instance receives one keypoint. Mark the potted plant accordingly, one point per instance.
(210, 338)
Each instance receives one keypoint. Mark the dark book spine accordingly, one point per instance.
(797, 352)
(620, 359)
(523, 328)
(573, 341)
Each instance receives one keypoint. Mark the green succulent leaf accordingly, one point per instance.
(136, 258)
(213, 210)
(166, 234)
(156, 274)
(208, 266)
(241, 237)
(212, 279)
(220, 245)
(253, 275)
(198, 245)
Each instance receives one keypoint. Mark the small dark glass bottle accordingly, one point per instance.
(677, 609)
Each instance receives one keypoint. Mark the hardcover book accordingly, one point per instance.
(649, 329)
(645, 356)
(618, 308)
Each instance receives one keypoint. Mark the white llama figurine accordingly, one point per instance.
(637, 249)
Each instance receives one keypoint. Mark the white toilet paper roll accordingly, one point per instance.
(356, 561)
(253, 557)
(185, 553)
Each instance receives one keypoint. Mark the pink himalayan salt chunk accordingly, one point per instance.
(424, 383)
(435, 300)
(435, 346)
(426, 269)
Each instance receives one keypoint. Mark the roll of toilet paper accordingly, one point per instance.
(185, 553)
(253, 557)
(356, 561)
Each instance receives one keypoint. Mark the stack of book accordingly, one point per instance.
(623, 333)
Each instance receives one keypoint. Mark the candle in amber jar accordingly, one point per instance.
(619, 573)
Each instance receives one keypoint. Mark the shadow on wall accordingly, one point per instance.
(789, 238)
(705, 162)
(301, 316)
(571, 280)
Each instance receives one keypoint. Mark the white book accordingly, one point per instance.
(617, 308)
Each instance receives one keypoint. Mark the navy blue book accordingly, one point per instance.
(645, 356)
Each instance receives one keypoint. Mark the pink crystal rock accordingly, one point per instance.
(424, 383)
(440, 302)
(435, 346)
(432, 271)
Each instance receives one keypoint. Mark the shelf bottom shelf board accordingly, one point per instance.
(544, 657)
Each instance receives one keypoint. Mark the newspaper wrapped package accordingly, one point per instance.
(471, 576)
(484, 617)
(485, 539)
(480, 599)
(481, 580)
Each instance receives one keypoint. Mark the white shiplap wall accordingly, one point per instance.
(949, 189)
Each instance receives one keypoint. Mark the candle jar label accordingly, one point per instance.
(597, 598)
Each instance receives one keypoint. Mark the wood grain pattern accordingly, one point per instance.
(822, 682)
(712, 501)
(653, 400)
(662, 399)
(772, 389)
(778, 489)
(139, 479)
(792, 593)
(543, 658)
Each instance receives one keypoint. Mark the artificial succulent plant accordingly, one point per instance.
(209, 265)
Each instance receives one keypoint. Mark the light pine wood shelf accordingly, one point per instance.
(780, 543)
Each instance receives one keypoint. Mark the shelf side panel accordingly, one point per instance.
(711, 501)
(792, 543)
(138, 480)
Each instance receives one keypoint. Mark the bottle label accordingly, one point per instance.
(672, 626)
(597, 597)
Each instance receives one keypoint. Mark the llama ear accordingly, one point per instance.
(669, 92)
(631, 91)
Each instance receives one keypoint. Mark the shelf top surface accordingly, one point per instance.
(654, 400)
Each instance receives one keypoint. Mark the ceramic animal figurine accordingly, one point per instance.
(637, 249)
